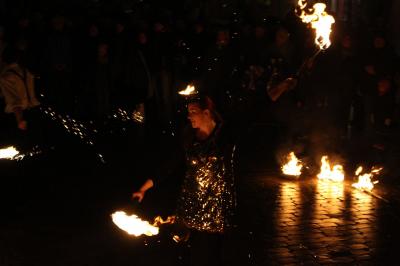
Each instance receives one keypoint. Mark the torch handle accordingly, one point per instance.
(303, 66)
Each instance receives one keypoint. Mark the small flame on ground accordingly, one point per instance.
(335, 173)
(190, 90)
(133, 225)
(320, 21)
(293, 166)
(364, 180)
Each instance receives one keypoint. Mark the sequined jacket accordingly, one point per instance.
(207, 200)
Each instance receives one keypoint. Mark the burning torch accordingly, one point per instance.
(321, 22)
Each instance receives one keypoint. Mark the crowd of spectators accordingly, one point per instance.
(87, 66)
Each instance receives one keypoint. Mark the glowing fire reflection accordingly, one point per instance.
(320, 21)
(133, 225)
(335, 173)
(190, 90)
(293, 166)
(364, 180)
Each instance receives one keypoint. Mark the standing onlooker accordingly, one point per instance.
(17, 88)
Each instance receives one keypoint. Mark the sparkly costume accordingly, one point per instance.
(207, 197)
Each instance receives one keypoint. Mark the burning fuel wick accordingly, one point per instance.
(134, 225)
(11, 153)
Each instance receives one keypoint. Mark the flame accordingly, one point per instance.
(335, 173)
(133, 225)
(320, 21)
(364, 180)
(293, 166)
(159, 221)
(8, 153)
(190, 90)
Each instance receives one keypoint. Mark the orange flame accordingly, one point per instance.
(190, 90)
(364, 180)
(133, 225)
(335, 173)
(320, 21)
(293, 166)
(8, 153)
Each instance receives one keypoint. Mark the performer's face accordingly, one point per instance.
(197, 116)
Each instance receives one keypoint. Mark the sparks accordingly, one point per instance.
(72, 126)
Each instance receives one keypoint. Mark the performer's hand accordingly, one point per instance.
(139, 195)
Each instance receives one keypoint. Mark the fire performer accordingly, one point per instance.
(207, 198)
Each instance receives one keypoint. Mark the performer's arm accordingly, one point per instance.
(140, 193)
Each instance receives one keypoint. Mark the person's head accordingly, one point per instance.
(202, 112)
(23, 22)
(10, 55)
(2, 32)
(102, 50)
(198, 28)
(259, 32)
(379, 41)
(119, 27)
(159, 27)
(93, 30)
(347, 42)
(223, 37)
(58, 23)
(282, 36)
(142, 38)
(384, 86)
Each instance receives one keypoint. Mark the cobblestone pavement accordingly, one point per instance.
(312, 222)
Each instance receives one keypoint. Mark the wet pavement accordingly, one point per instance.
(56, 211)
